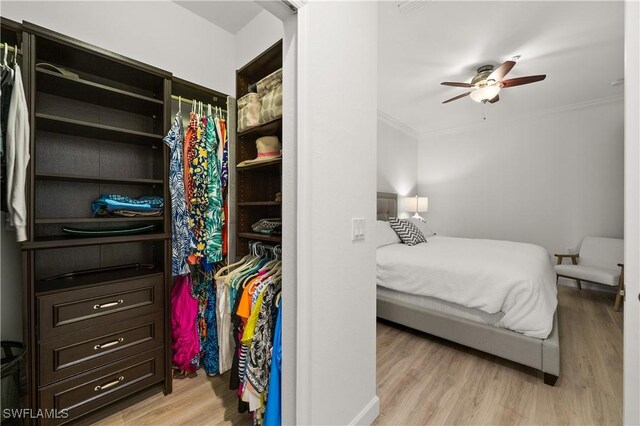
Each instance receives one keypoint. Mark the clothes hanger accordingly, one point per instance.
(4, 60)
(193, 106)
(179, 105)
(218, 274)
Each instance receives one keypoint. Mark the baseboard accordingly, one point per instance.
(368, 414)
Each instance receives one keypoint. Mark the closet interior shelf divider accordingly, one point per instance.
(95, 93)
(86, 129)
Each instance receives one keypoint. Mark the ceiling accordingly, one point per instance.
(578, 45)
(229, 15)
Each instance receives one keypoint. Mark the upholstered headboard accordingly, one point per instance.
(387, 205)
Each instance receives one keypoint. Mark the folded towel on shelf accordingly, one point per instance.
(109, 203)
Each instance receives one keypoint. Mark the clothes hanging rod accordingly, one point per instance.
(10, 48)
(187, 100)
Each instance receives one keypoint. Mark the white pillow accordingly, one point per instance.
(426, 231)
(385, 235)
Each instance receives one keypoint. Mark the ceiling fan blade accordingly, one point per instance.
(494, 100)
(499, 73)
(456, 98)
(448, 83)
(522, 80)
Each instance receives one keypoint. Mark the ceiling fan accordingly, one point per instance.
(487, 83)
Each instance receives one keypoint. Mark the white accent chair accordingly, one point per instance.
(599, 261)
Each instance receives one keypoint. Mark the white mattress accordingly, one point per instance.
(432, 304)
(492, 276)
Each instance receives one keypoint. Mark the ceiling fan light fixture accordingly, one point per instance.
(485, 93)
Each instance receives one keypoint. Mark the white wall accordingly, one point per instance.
(159, 33)
(397, 151)
(549, 179)
(632, 215)
(256, 37)
(337, 108)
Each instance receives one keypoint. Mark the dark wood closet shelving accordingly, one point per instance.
(61, 220)
(260, 237)
(72, 148)
(267, 129)
(258, 203)
(69, 126)
(98, 179)
(257, 182)
(94, 279)
(87, 91)
(69, 241)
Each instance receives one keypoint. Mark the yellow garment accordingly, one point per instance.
(249, 329)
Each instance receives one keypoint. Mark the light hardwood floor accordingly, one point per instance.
(201, 400)
(426, 380)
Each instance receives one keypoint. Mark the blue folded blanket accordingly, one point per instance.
(110, 202)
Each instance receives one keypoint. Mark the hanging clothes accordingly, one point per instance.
(213, 218)
(254, 288)
(184, 334)
(180, 238)
(211, 358)
(190, 140)
(223, 320)
(198, 180)
(17, 153)
(273, 411)
(6, 93)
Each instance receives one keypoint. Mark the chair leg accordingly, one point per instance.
(619, 293)
(579, 284)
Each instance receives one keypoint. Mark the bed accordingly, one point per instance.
(525, 330)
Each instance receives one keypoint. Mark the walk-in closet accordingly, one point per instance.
(149, 232)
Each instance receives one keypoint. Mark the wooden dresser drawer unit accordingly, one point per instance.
(77, 352)
(84, 393)
(74, 310)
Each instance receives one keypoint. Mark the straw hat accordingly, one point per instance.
(269, 149)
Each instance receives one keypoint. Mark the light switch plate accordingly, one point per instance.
(358, 227)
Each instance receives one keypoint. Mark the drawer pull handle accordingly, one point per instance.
(108, 305)
(108, 344)
(108, 385)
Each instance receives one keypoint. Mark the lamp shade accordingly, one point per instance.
(416, 204)
(485, 93)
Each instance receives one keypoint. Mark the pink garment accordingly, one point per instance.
(184, 334)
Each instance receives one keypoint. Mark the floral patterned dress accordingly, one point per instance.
(180, 235)
(213, 218)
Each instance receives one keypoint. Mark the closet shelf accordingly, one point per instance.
(85, 129)
(260, 237)
(98, 179)
(94, 279)
(63, 241)
(259, 203)
(266, 129)
(95, 93)
(261, 167)
(60, 220)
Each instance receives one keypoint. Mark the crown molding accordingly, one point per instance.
(394, 122)
(555, 110)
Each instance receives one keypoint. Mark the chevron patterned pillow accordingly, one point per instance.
(407, 231)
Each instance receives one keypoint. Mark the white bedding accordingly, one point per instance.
(490, 275)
